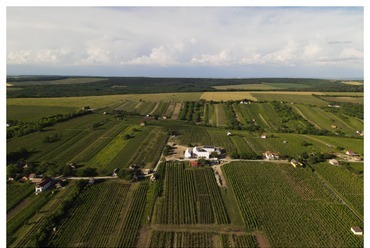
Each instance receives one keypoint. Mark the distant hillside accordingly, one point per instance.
(59, 86)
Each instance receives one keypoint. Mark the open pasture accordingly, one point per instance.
(291, 205)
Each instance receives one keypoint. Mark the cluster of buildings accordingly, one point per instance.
(204, 152)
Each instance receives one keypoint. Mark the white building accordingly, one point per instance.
(201, 153)
(357, 230)
(43, 185)
(188, 153)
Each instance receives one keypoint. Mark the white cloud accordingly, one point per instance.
(184, 37)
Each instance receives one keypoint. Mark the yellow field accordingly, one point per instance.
(245, 87)
(353, 83)
(226, 96)
(9, 85)
(99, 101)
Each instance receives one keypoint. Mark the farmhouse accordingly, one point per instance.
(351, 153)
(201, 153)
(43, 185)
(357, 230)
(270, 155)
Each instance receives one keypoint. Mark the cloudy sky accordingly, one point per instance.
(316, 42)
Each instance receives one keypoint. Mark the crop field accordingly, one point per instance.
(291, 97)
(200, 239)
(191, 196)
(291, 205)
(35, 212)
(226, 96)
(100, 101)
(99, 221)
(16, 192)
(349, 186)
(353, 83)
(359, 100)
(261, 86)
(77, 80)
(34, 113)
(324, 119)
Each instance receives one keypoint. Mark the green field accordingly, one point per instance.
(77, 80)
(291, 199)
(257, 204)
(34, 113)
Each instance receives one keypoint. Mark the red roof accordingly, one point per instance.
(194, 163)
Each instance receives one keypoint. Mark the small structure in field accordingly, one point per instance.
(229, 134)
(143, 123)
(145, 171)
(333, 162)
(35, 178)
(59, 184)
(333, 126)
(270, 155)
(43, 185)
(194, 163)
(351, 153)
(357, 230)
(263, 136)
(91, 180)
(285, 142)
(115, 172)
(295, 163)
(152, 177)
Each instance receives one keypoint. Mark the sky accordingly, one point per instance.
(236, 42)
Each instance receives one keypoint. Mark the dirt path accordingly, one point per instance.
(138, 105)
(217, 115)
(300, 112)
(318, 140)
(219, 171)
(154, 109)
(266, 123)
(262, 239)
(176, 111)
(229, 229)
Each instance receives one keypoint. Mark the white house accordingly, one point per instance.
(43, 185)
(201, 153)
(188, 153)
(357, 230)
(229, 134)
(270, 155)
(211, 149)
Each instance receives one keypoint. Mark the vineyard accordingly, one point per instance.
(291, 205)
(100, 222)
(201, 239)
(191, 196)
